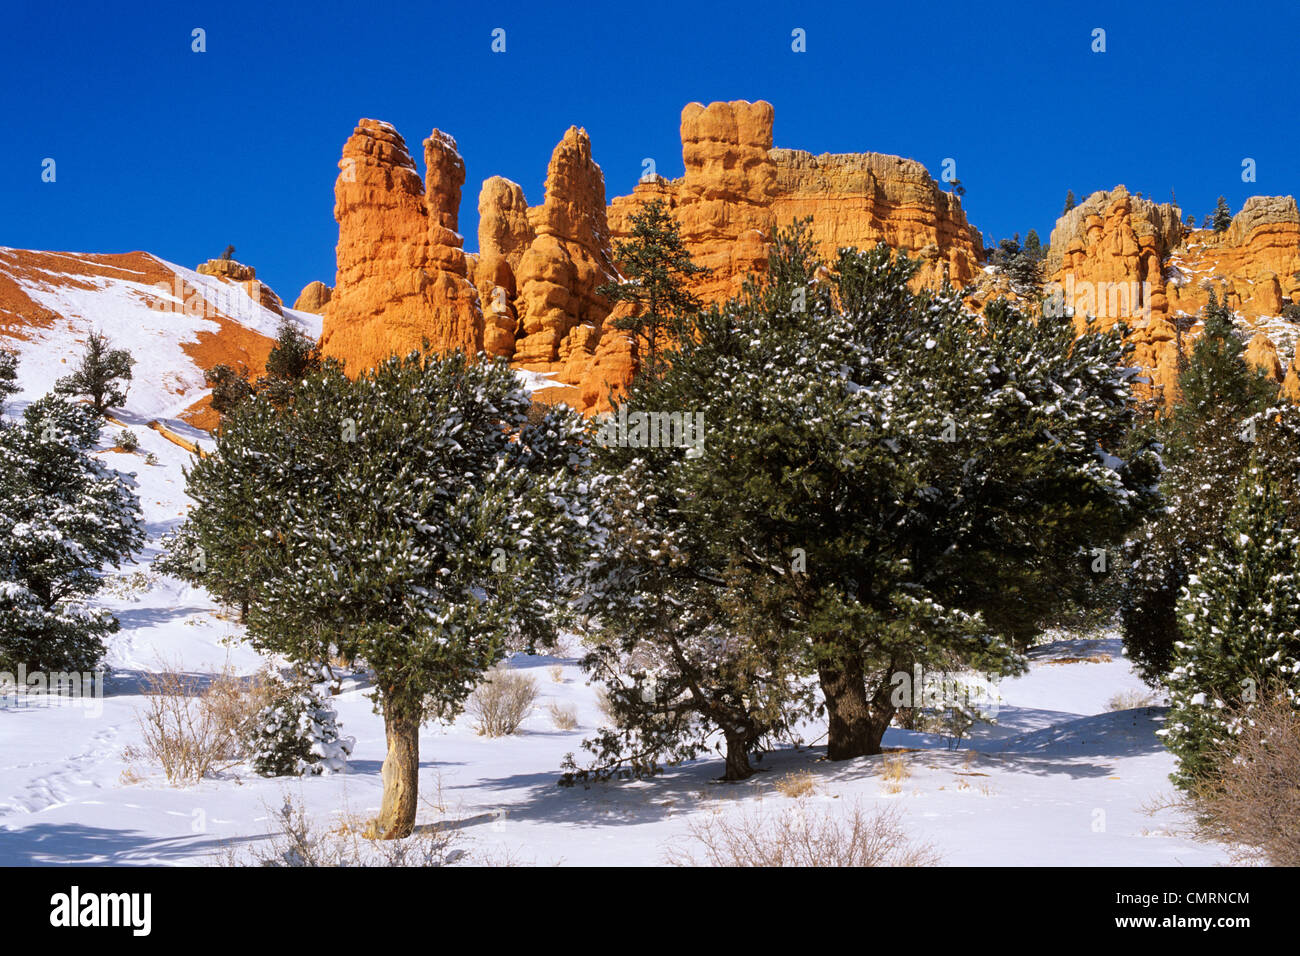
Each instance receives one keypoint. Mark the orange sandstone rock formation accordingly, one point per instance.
(1119, 257)
(313, 298)
(402, 275)
(737, 189)
(530, 293)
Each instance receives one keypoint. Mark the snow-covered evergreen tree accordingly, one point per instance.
(298, 732)
(1206, 438)
(1240, 620)
(64, 516)
(886, 478)
(413, 519)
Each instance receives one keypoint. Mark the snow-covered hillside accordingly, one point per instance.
(175, 323)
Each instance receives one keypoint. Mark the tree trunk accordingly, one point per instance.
(853, 732)
(401, 773)
(738, 767)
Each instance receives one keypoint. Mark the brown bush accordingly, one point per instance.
(500, 704)
(192, 730)
(800, 838)
(1251, 801)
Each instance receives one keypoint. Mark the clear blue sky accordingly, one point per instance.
(179, 153)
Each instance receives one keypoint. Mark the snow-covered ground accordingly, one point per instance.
(1059, 780)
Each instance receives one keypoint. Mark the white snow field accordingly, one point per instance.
(1059, 780)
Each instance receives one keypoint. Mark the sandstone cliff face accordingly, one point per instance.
(1108, 256)
(1120, 257)
(1252, 266)
(529, 295)
(401, 267)
(738, 189)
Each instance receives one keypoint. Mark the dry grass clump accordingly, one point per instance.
(297, 841)
(799, 838)
(796, 785)
(893, 771)
(1131, 700)
(500, 704)
(564, 716)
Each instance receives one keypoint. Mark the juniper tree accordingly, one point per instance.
(656, 267)
(8, 376)
(413, 519)
(891, 472)
(1206, 441)
(679, 663)
(293, 357)
(64, 516)
(1239, 615)
(101, 376)
(229, 388)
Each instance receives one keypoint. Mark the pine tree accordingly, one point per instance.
(1207, 439)
(412, 518)
(656, 267)
(297, 732)
(1240, 622)
(294, 356)
(1069, 201)
(64, 516)
(891, 473)
(101, 376)
(1222, 216)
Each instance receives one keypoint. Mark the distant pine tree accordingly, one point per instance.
(1222, 216)
(8, 376)
(230, 388)
(656, 266)
(294, 356)
(1069, 201)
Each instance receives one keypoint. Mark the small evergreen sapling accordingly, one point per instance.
(298, 731)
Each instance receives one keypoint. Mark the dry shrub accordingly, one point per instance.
(193, 731)
(297, 841)
(500, 704)
(557, 673)
(564, 716)
(605, 706)
(1251, 800)
(1131, 700)
(799, 838)
(796, 785)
